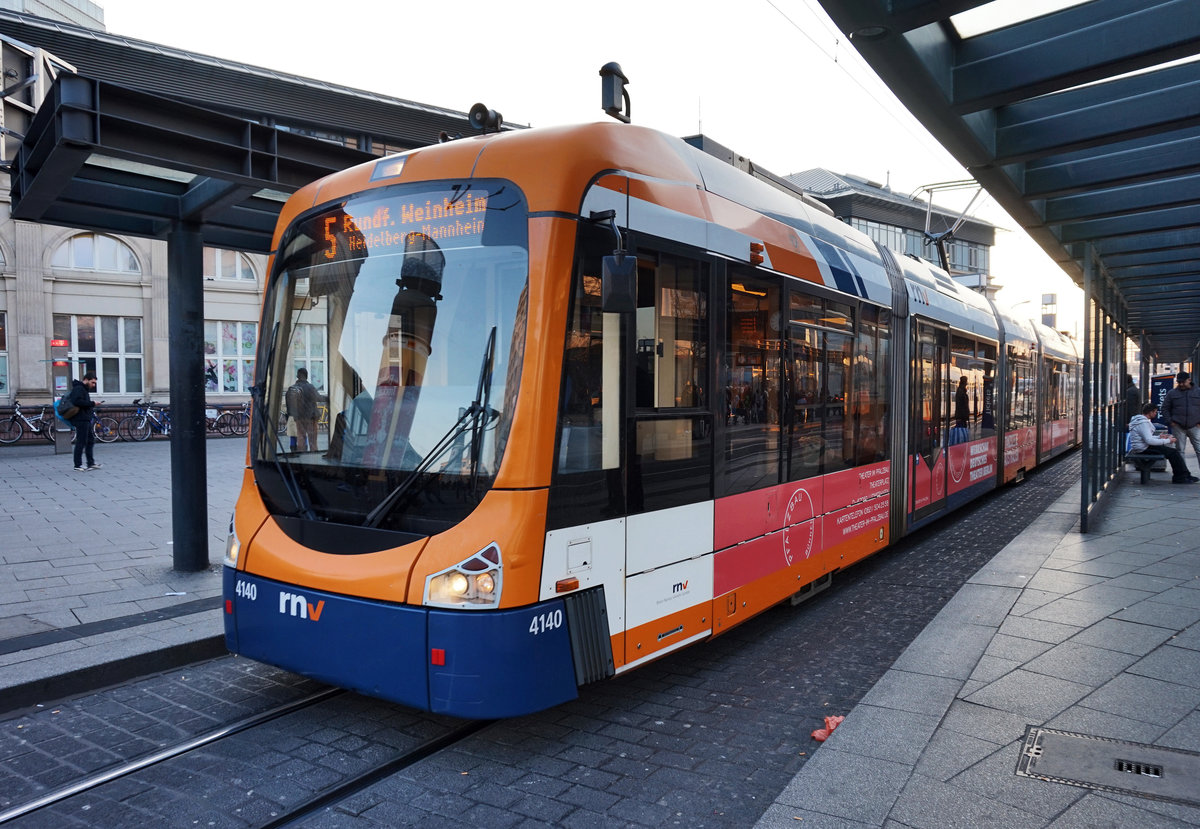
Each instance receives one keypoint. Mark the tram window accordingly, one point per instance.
(868, 405)
(805, 375)
(589, 434)
(1022, 388)
(929, 401)
(751, 384)
(671, 362)
(1052, 406)
(839, 443)
(806, 308)
(838, 315)
(672, 461)
(987, 395)
(965, 392)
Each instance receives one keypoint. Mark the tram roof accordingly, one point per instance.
(1083, 123)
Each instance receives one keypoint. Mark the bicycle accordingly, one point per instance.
(13, 429)
(146, 419)
(104, 427)
(234, 423)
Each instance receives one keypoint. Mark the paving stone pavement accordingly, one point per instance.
(86, 578)
(1095, 634)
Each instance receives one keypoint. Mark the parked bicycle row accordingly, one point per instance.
(146, 418)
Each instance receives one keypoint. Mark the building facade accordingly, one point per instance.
(898, 222)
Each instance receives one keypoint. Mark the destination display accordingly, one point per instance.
(401, 222)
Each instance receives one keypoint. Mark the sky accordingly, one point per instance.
(773, 80)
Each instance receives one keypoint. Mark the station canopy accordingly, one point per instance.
(1082, 122)
(111, 134)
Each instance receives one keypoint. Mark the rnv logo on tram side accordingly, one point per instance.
(293, 604)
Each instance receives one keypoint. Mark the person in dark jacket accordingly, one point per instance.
(1133, 400)
(85, 438)
(1181, 411)
(301, 401)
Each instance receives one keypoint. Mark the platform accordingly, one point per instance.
(1095, 637)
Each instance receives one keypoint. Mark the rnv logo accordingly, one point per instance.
(293, 604)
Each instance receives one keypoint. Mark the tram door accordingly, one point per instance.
(928, 419)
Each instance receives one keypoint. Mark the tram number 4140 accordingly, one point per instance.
(246, 590)
(546, 621)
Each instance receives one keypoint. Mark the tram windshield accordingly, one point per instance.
(393, 333)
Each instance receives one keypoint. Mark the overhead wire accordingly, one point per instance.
(922, 140)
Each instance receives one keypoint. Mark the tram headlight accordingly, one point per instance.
(472, 584)
(458, 584)
(233, 547)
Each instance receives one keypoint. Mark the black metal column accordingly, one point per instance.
(1086, 491)
(189, 453)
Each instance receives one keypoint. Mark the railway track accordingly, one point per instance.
(44, 810)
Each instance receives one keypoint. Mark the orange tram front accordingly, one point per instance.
(594, 395)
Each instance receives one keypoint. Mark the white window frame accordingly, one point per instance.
(217, 360)
(85, 361)
(311, 335)
(228, 266)
(64, 257)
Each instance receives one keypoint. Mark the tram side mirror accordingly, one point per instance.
(618, 286)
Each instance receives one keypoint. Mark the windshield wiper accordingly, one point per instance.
(483, 389)
(287, 475)
(476, 417)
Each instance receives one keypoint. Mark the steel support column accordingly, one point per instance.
(1085, 481)
(189, 453)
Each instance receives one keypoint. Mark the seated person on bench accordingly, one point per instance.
(1142, 439)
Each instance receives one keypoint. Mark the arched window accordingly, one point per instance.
(95, 252)
(227, 264)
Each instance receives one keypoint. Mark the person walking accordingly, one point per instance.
(1143, 439)
(302, 407)
(80, 396)
(1181, 411)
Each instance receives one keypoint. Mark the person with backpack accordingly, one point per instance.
(301, 402)
(79, 399)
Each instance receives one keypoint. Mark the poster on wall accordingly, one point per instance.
(1160, 384)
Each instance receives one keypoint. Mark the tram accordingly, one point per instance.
(596, 395)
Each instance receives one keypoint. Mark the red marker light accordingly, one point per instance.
(229, 606)
(437, 656)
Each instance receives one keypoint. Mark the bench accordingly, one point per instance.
(1143, 462)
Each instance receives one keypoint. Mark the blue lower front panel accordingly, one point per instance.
(496, 663)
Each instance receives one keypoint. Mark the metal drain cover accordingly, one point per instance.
(1109, 765)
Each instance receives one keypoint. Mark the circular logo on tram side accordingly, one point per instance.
(958, 466)
(798, 539)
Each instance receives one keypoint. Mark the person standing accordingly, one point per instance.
(80, 395)
(962, 413)
(1181, 411)
(302, 407)
(1143, 439)
(1133, 400)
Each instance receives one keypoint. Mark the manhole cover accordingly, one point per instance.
(1111, 765)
